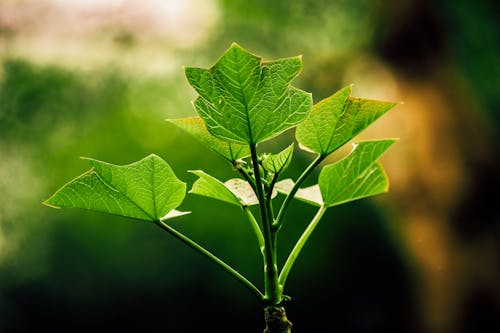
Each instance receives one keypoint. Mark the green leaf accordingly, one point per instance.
(310, 195)
(277, 163)
(235, 191)
(196, 127)
(244, 100)
(146, 190)
(337, 119)
(356, 176)
(211, 187)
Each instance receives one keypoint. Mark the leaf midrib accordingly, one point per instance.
(129, 199)
(344, 110)
(245, 104)
(153, 188)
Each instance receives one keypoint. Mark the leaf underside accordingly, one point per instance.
(196, 127)
(146, 190)
(337, 119)
(245, 100)
(310, 195)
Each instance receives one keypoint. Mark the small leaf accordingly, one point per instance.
(235, 191)
(337, 119)
(146, 190)
(310, 195)
(196, 127)
(278, 162)
(244, 100)
(211, 187)
(356, 176)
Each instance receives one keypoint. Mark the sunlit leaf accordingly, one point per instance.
(337, 119)
(242, 99)
(277, 163)
(235, 191)
(146, 190)
(196, 127)
(356, 176)
(211, 187)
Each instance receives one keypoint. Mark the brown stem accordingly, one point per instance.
(276, 321)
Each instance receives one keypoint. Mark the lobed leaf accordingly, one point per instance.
(196, 127)
(244, 100)
(337, 119)
(277, 163)
(356, 176)
(146, 190)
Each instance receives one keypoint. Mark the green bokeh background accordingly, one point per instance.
(76, 271)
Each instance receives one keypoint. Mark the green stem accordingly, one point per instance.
(271, 186)
(269, 197)
(201, 250)
(281, 214)
(272, 290)
(247, 177)
(298, 247)
(256, 229)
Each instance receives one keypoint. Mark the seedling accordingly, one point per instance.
(244, 101)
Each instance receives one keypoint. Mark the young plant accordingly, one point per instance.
(242, 102)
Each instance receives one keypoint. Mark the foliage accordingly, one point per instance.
(242, 102)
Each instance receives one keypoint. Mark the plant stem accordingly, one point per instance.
(204, 252)
(269, 196)
(256, 229)
(299, 245)
(247, 177)
(272, 289)
(281, 214)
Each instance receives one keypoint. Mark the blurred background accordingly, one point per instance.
(98, 78)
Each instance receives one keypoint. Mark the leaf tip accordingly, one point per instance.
(188, 71)
(347, 88)
(305, 148)
(196, 173)
(392, 141)
(90, 160)
(48, 204)
(153, 155)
